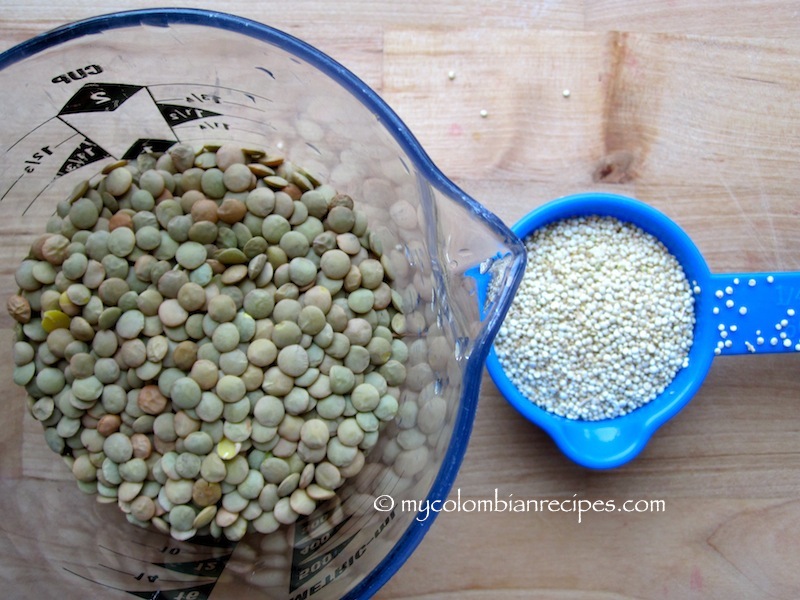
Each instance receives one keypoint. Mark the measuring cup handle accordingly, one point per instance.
(756, 313)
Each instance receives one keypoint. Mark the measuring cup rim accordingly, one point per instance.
(164, 17)
(627, 434)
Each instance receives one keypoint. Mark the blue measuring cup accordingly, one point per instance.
(735, 313)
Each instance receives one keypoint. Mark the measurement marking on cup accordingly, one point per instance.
(89, 110)
(197, 592)
(194, 97)
(84, 577)
(141, 575)
(214, 125)
(208, 567)
(169, 549)
(198, 586)
(36, 158)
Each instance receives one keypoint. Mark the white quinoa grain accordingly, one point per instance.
(602, 321)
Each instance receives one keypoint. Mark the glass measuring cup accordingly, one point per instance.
(89, 94)
(735, 313)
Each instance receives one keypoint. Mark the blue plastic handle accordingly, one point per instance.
(756, 313)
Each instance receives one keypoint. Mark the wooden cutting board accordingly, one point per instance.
(693, 107)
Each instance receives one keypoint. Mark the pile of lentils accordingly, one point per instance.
(209, 339)
(602, 322)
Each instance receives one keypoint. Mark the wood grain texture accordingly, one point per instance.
(651, 115)
(740, 18)
(690, 106)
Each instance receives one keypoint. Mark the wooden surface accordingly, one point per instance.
(691, 106)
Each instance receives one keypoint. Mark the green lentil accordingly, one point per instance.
(262, 352)
(210, 407)
(222, 308)
(191, 255)
(357, 359)
(178, 491)
(44, 272)
(225, 337)
(236, 470)
(181, 517)
(269, 411)
(212, 184)
(130, 324)
(230, 388)
(276, 382)
(178, 228)
(133, 470)
(287, 291)
(106, 371)
(339, 454)
(118, 448)
(236, 412)
(308, 378)
(121, 241)
(342, 379)
(87, 389)
(286, 333)
(287, 309)
(297, 401)
(187, 465)
(49, 380)
(233, 363)
(394, 372)
(274, 228)
(335, 263)
(368, 421)
(185, 393)
(213, 469)
(331, 406)
(365, 397)
(314, 433)
(203, 232)
(118, 181)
